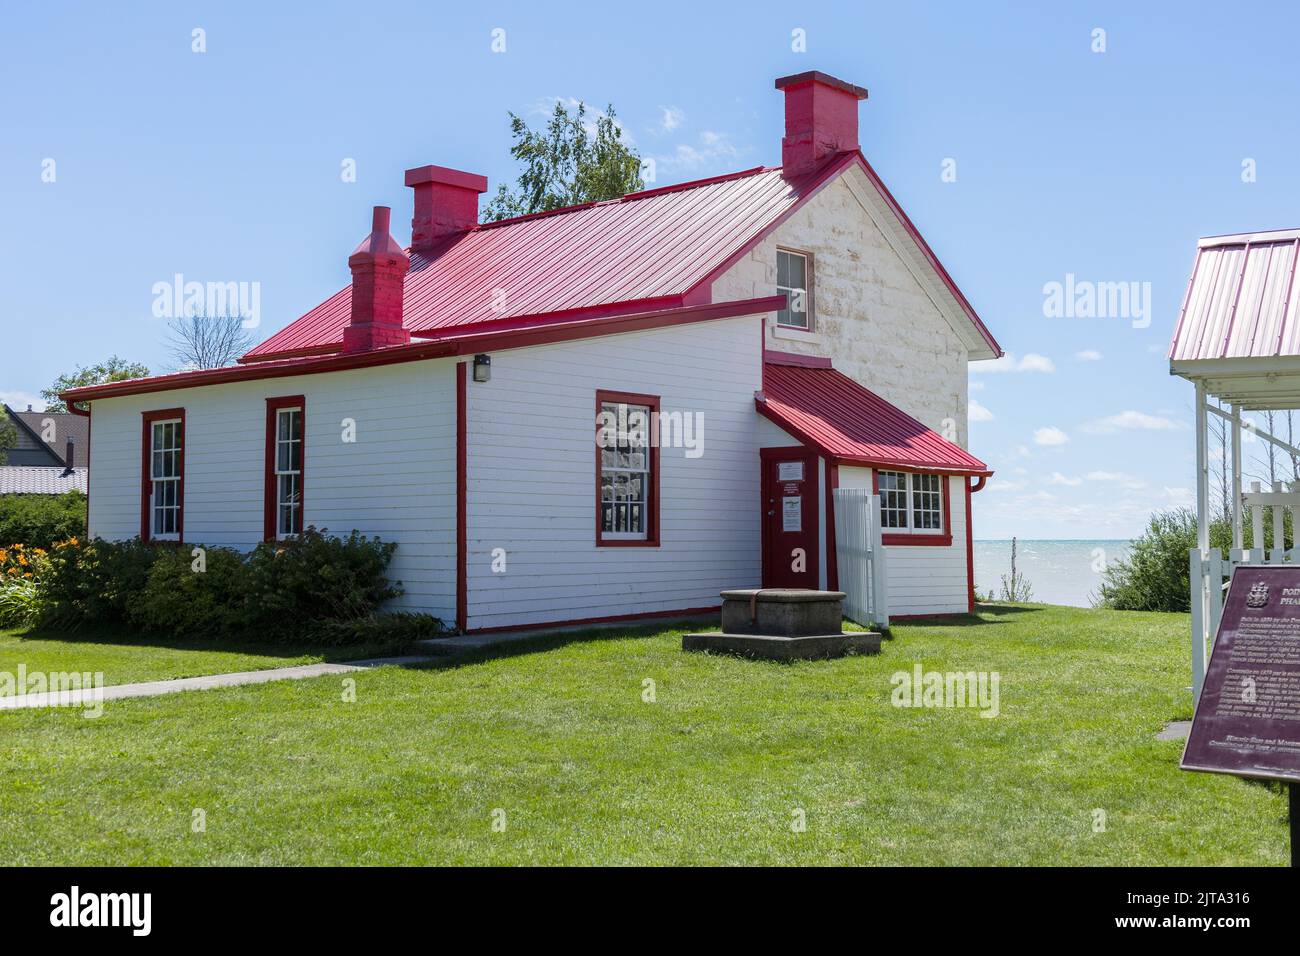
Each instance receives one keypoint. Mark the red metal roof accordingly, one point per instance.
(1242, 300)
(655, 249)
(853, 425)
(644, 251)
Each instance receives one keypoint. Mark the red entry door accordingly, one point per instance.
(790, 521)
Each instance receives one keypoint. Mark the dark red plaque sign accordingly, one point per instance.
(1248, 719)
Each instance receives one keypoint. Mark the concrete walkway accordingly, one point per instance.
(442, 649)
(1175, 730)
(156, 688)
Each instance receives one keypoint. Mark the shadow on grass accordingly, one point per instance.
(1000, 614)
(552, 640)
(126, 637)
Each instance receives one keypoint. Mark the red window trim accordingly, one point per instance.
(924, 539)
(270, 492)
(146, 475)
(651, 539)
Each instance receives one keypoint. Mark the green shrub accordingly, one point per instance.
(95, 582)
(309, 587)
(313, 577)
(179, 599)
(38, 521)
(399, 628)
(1155, 575)
(20, 604)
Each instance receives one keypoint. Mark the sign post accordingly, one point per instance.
(1247, 722)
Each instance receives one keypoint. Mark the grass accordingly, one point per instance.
(713, 771)
(125, 658)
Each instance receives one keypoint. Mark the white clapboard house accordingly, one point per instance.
(786, 329)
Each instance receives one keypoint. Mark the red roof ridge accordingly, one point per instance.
(628, 197)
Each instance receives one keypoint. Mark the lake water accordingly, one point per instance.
(1060, 572)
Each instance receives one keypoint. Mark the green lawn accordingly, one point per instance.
(711, 772)
(125, 659)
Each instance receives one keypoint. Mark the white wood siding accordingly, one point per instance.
(398, 480)
(532, 481)
(925, 579)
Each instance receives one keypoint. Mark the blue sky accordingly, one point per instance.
(225, 165)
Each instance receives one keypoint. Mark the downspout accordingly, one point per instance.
(90, 424)
(980, 481)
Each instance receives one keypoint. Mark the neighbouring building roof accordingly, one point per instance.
(1241, 301)
(65, 425)
(35, 480)
(853, 425)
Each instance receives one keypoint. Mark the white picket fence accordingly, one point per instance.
(1211, 572)
(860, 557)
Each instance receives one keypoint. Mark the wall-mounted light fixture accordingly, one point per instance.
(482, 368)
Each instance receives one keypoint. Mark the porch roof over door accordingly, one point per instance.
(1238, 332)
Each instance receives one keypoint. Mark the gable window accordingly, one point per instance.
(285, 444)
(627, 469)
(793, 277)
(162, 491)
(913, 507)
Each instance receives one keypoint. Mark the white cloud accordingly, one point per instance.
(1060, 479)
(671, 118)
(1029, 362)
(1130, 419)
(978, 413)
(711, 148)
(1117, 477)
(1088, 355)
(1051, 435)
(1000, 485)
(975, 386)
(18, 400)
(1180, 497)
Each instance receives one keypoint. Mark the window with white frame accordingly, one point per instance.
(288, 472)
(625, 471)
(793, 277)
(165, 451)
(910, 501)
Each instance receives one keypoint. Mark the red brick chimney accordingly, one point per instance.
(379, 268)
(821, 119)
(446, 202)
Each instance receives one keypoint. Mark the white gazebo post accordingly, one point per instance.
(1237, 543)
(1200, 597)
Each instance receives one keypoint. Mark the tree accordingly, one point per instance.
(208, 341)
(114, 370)
(8, 436)
(564, 165)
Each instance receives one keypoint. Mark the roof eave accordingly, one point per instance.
(456, 342)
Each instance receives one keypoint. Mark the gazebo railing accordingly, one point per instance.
(1211, 572)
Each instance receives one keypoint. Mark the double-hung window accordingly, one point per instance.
(285, 444)
(794, 278)
(627, 469)
(913, 507)
(162, 495)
